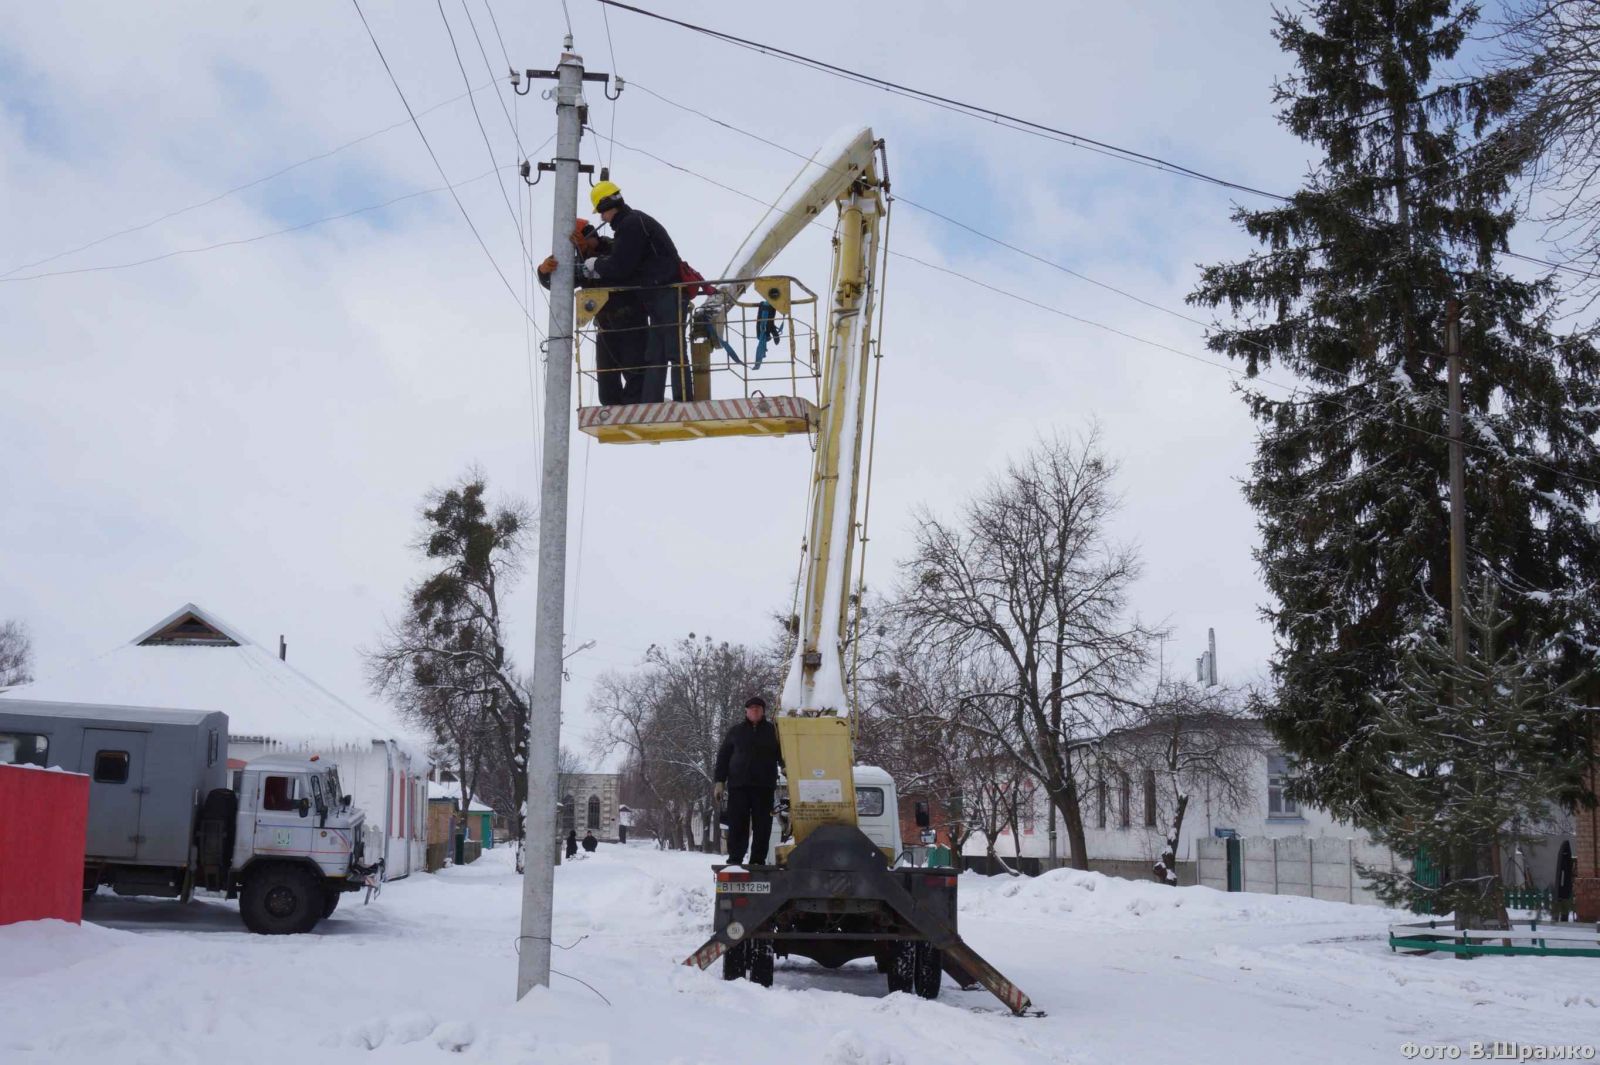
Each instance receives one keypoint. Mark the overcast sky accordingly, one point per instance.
(253, 427)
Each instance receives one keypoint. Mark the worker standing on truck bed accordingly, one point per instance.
(747, 774)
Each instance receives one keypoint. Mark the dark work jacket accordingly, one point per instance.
(749, 757)
(641, 252)
(622, 309)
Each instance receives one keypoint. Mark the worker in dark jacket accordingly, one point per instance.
(590, 844)
(619, 339)
(642, 254)
(572, 843)
(747, 774)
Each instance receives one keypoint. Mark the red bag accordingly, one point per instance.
(689, 276)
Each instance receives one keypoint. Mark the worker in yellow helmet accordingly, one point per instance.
(642, 254)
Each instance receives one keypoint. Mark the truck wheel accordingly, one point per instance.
(928, 970)
(280, 900)
(735, 962)
(761, 963)
(331, 903)
(902, 966)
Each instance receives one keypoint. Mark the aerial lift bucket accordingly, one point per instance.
(747, 371)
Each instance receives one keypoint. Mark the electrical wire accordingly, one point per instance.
(1028, 126)
(440, 167)
(1240, 376)
(605, 14)
(239, 188)
(243, 240)
(487, 146)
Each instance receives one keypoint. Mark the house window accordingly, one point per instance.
(594, 811)
(1124, 799)
(23, 748)
(1100, 801)
(569, 814)
(1279, 804)
(1149, 798)
(111, 767)
(1028, 821)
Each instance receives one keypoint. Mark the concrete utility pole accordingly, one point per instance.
(1458, 486)
(544, 727)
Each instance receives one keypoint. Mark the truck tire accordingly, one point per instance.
(280, 900)
(735, 961)
(928, 970)
(762, 958)
(331, 903)
(902, 966)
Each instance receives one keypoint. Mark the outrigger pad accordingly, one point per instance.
(839, 864)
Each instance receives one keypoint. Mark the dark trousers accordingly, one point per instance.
(749, 821)
(663, 342)
(617, 359)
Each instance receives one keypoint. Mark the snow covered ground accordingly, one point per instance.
(1127, 972)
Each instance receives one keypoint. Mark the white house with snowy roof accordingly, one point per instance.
(193, 660)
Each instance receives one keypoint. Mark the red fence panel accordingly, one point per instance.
(43, 815)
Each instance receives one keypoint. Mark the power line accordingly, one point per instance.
(975, 110)
(1024, 125)
(605, 14)
(240, 188)
(439, 167)
(243, 240)
(487, 146)
(1231, 371)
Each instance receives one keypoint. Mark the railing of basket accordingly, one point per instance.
(766, 343)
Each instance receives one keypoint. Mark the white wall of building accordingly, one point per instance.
(1136, 841)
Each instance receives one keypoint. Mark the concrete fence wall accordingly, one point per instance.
(1320, 867)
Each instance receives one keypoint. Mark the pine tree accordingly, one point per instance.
(1479, 750)
(1408, 208)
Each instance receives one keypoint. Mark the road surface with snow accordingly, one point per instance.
(1126, 972)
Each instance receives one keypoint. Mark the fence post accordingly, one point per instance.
(1350, 870)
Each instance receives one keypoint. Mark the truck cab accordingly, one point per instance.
(296, 842)
(877, 812)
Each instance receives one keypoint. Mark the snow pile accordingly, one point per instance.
(1105, 901)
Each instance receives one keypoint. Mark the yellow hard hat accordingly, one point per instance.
(602, 191)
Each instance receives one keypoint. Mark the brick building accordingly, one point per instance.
(1586, 855)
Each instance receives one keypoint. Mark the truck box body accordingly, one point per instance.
(148, 769)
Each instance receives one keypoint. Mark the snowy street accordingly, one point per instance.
(1126, 972)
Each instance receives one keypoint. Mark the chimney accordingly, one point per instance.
(283, 649)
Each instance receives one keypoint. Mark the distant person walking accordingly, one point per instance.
(572, 843)
(590, 844)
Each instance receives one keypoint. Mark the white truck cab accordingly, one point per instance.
(296, 842)
(877, 810)
(292, 805)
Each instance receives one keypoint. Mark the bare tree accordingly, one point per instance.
(668, 718)
(1029, 583)
(1188, 740)
(1551, 58)
(16, 654)
(445, 662)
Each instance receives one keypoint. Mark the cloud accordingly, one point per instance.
(253, 428)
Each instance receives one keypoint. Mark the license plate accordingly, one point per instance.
(744, 887)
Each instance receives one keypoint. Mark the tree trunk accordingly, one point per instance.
(1166, 870)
